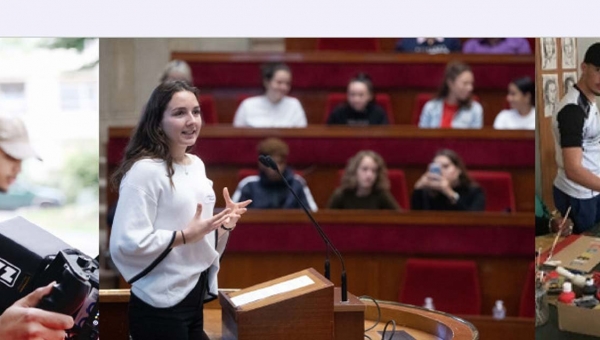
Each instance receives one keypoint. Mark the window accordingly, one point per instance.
(12, 98)
(79, 96)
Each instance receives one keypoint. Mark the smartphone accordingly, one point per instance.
(435, 169)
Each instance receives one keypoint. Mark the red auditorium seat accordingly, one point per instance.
(243, 173)
(397, 186)
(420, 101)
(240, 98)
(335, 99)
(531, 42)
(453, 285)
(498, 189)
(348, 44)
(527, 306)
(209, 110)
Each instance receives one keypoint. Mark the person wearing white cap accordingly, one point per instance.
(14, 148)
(21, 321)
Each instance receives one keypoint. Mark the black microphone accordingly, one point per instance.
(269, 163)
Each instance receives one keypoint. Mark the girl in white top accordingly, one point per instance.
(274, 109)
(521, 115)
(165, 240)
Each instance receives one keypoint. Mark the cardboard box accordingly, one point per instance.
(578, 320)
(583, 255)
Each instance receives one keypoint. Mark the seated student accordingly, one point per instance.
(365, 185)
(453, 107)
(177, 70)
(274, 109)
(428, 45)
(447, 186)
(174, 70)
(521, 115)
(497, 46)
(360, 109)
(267, 190)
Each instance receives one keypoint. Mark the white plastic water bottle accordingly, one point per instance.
(499, 311)
(429, 304)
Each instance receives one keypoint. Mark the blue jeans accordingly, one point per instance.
(585, 213)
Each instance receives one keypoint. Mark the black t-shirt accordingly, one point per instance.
(347, 199)
(471, 199)
(346, 115)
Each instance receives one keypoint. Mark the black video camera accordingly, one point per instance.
(30, 258)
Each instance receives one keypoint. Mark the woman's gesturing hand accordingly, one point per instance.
(237, 209)
(198, 227)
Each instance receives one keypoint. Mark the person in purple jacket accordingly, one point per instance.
(497, 46)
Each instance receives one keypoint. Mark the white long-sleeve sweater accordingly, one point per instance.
(148, 215)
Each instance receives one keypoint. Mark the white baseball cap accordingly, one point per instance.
(14, 140)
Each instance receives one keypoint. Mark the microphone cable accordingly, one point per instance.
(392, 322)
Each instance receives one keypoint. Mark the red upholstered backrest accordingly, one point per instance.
(527, 306)
(209, 110)
(498, 189)
(453, 285)
(333, 100)
(348, 44)
(243, 173)
(240, 98)
(531, 42)
(338, 98)
(421, 100)
(397, 186)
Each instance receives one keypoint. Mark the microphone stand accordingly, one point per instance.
(268, 162)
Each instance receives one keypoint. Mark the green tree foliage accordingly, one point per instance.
(67, 43)
(81, 171)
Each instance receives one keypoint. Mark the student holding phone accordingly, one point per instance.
(447, 186)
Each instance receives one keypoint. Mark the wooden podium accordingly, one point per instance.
(302, 305)
(422, 324)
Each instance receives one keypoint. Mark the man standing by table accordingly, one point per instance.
(576, 128)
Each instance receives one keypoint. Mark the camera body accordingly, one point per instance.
(30, 258)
